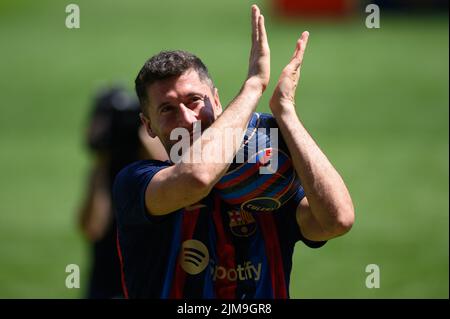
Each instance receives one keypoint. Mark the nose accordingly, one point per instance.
(186, 117)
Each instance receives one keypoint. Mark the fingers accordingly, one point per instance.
(255, 18)
(259, 34)
(302, 45)
(259, 61)
(262, 32)
(297, 58)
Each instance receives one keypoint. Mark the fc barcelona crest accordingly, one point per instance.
(242, 223)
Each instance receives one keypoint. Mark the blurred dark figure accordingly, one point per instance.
(114, 139)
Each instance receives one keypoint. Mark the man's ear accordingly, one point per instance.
(217, 106)
(147, 124)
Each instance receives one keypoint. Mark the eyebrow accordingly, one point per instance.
(191, 94)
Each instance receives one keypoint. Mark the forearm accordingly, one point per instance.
(325, 190)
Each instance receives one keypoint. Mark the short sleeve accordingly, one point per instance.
(129, 191)
(288, 225)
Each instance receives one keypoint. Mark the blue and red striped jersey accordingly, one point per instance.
(212, 249)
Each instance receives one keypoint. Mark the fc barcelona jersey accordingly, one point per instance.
(215, 248)
(211, 249)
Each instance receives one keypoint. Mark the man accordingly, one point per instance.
(114, 140)
(175, 234)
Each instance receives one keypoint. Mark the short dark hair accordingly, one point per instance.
(167, 64)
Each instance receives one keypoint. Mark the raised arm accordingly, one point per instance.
(184, 184)
(327, 210)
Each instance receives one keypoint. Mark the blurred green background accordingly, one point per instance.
(376, 101)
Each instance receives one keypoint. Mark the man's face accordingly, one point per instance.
(178, 102)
